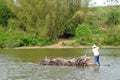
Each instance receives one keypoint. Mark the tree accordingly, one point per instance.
(48, 18)
(112, 2)
(114, 17)
(4, 13)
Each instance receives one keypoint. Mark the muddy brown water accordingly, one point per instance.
(23, 64)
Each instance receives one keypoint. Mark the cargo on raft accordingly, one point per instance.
(80, 61)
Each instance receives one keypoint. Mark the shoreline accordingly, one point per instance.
(59, 47)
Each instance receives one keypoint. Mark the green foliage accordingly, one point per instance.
(4, 15)
(42, 22)
(13, 24)
(90, 34)
(83, 33)
(16, 38)
(72, 24)
(28, 40)
(56, 17)
(83, 30)
(13, 39)
(3, 37)
(100, 16)
(114, 17)
(113, 37)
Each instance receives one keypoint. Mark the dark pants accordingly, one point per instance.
(97, 59)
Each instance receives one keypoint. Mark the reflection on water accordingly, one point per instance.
(24, 66)
(96, 69)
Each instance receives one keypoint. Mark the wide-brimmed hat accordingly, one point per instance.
(94, 46)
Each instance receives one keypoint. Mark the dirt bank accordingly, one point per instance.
(61, 43)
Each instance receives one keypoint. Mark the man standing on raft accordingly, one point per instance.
(95, 50)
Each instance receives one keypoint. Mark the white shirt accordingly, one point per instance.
(95, 51)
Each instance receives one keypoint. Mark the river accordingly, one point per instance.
(23, 64)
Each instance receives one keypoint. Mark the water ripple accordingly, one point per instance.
(12, 68)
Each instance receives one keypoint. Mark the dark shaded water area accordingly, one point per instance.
(23, 64)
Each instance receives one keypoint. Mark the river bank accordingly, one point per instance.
(61, 43)
(35, 47)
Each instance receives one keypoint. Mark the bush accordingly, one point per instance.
(83, 34)
(16, 38)
(114, 17)
(90, 34)
(43, 42)
(13, 24)
(72, 25)
(19, 39)
(3, 38)
(4, 15)
(28, 40)
(83, 31)
(13, 39)
(113, 36)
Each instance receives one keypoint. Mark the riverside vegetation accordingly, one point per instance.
(44, 22)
